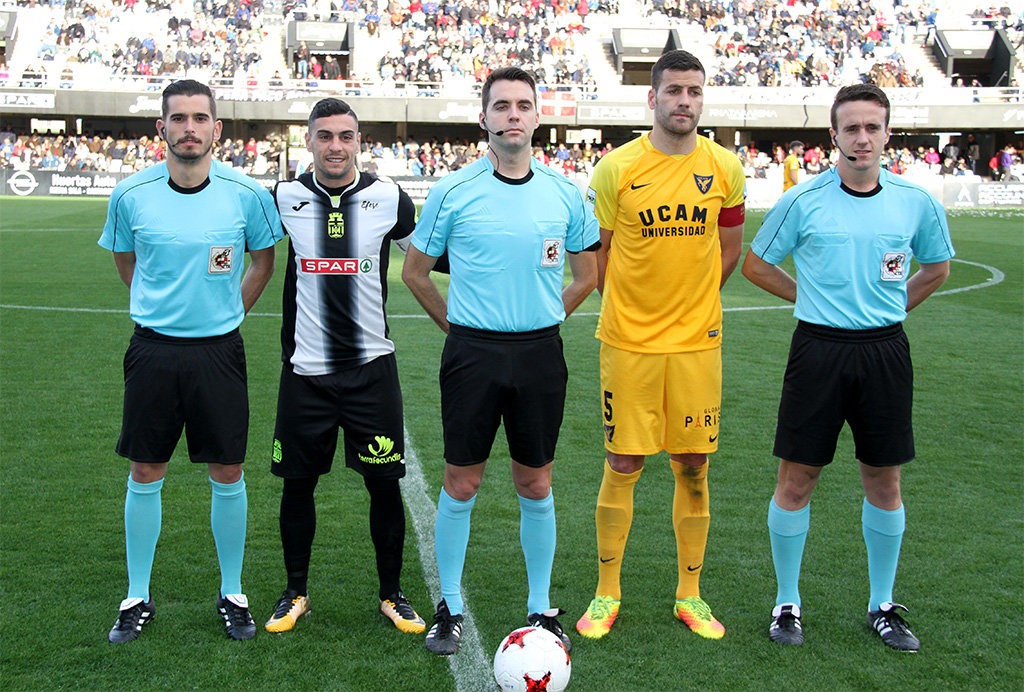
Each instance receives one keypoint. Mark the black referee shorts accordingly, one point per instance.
(365, 401)
(489, 377)
(863, 377)
(198, 385)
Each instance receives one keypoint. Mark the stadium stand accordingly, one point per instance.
(455, 43)
(447, 47)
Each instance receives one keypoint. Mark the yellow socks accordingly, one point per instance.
(613, 517)
(691, 516)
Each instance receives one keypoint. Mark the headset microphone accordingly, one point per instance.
(848, 157)
(497, 133)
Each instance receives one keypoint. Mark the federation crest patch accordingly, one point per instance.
(552, 253)
(335, 225)
(221, 257)
(894, 266)
(703, 182)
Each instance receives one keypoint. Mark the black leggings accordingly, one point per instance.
(387, 529)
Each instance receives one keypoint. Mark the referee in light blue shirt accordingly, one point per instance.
(852, 232)
(508, 225)
(179, 232)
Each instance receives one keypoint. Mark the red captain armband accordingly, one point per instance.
(732, 216)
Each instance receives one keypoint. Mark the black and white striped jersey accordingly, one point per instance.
(336, 283)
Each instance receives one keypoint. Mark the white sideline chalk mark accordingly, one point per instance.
(470, 667)
(46, 308)
(997, 278)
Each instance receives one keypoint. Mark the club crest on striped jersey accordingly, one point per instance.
(335, 225)
(703, 182)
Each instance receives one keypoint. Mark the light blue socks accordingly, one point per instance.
(229, 508)
(883, 536)
(142, 518)
(537, 536)
(451, 538)
(788, 533)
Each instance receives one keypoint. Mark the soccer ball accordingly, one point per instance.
(531, 659)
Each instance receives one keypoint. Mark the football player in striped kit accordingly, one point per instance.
(339, 368)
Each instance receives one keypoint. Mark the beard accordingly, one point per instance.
(189, 155)
(670, 126)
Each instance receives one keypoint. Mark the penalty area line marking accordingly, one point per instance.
(469, 667)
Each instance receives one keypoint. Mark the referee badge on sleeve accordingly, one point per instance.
(220, 259)
(552, 253)
(894, 266)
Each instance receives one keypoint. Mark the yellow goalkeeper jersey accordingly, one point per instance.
(661, 286)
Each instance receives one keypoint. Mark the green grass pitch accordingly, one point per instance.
(63, 330)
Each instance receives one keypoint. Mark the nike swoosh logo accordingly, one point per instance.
(691, 568)
(300, 205)
(634, 186)
(712, 438)
(606, 559)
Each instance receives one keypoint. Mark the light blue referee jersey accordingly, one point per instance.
(506, 243)
(189, 247)
(852, 250)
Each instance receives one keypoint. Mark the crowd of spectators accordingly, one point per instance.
(264, 157)
(748, 42)
(957, 158)
(438, 157)
(799, 43)
(452, 41)
(160, 38)
(125, 154)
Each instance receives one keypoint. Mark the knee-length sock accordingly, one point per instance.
(143, 511)
(788, 533)
(229, 509)
(537, 535)
(613, 517)
(883, 536)
(451, 538)
(691, 518)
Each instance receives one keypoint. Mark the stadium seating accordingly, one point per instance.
(453, 44)
(448, 47)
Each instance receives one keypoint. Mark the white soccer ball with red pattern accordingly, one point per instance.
(531, 659)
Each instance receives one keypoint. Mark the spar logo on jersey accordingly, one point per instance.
(703, 182)
(329, 265)
(894, 266)
(335, 225)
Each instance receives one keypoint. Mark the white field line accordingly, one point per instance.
(470, 667)
(997, 277)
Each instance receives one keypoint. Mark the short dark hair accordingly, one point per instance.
(859, 92)
(679, 60)
(327, 107)
(794, 144)
(511, 74)
(187, 87)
